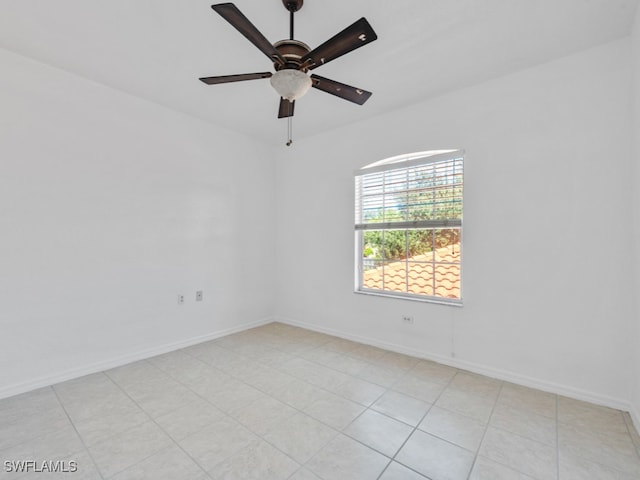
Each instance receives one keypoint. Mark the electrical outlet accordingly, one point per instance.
(199, 296)
(408, 319)
(180, 299)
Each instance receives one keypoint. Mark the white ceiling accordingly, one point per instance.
(157, 49)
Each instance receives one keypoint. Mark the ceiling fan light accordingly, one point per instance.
(291, 84)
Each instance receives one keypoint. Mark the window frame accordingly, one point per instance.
(405, 161)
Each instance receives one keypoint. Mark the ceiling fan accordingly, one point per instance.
(292, 59)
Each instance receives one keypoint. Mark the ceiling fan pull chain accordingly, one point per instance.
(289, 131)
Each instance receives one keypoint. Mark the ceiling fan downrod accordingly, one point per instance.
(293, 6)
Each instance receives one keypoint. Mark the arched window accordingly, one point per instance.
(408, 226)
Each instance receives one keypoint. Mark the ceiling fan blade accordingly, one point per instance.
(286, 108)
(234, 78)
(231, 14)
(354, 36)
(353, 94)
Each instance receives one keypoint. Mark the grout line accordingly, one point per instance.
(157, 424)
(419, 422)
(486, 428)
(86, 448)
(405, 372)
(291, 342)
(338, 431)
(225, 414)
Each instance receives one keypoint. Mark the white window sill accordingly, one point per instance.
(414, 298)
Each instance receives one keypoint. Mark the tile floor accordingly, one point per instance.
(279, 402)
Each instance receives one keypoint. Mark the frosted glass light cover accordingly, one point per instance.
(291, 84)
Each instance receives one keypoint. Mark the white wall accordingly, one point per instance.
(636, 152)
(110, 206)
(547, 279)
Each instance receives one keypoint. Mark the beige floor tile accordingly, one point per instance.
(259, 461)
(384, 376)
(432, 372)
(160, 396)
(135, 375)
(273, 359)
(528, 400)
(368, 353)
(52, 446)
(341, 345)
(235, 395)
(530, 425)
(477, 385)
(453, 427)
(420, 389)
(616, 451)
(519, 453)
(240, 367)
(168, 464)
(320, 355)
(299, 394)
(573, 467)
(485, 469)
(300, 437)
(295, 391)
(337, 412)
(296, 348)
(255, 350)
(18, 407)
(359, 391)
(126, 449)
(304, 474)
(92, 395)
(402, 407)
(110, 403)
(190, 418)
(435, 458)
(109, 420)
(394, 359)
(299, 367)
(344, 458)
(346, 364)
(181, 366)
(467, 404)
(263, 414)
(586, 415)
(217, 442)
(316, 374)
(210, 386)
(327, 378)
(270, 381)
(379, 432)
(30, 415)
(395, 471)
(210, 352)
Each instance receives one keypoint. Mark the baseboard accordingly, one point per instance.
(45, 381)
(499, 374)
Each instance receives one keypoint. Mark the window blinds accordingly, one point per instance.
(423, 192)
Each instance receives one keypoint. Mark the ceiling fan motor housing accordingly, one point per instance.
(292, 51)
